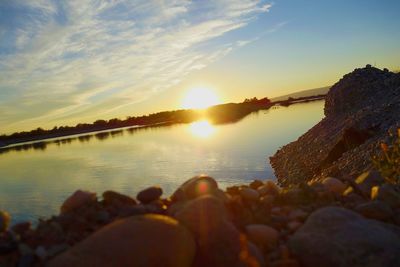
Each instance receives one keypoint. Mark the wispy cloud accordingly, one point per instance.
(63, 59)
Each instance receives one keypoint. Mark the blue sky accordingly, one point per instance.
(64, 62)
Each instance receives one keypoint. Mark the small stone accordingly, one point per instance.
(149, 194)
(21, 228)
(202, 215)
(249, 194)
(293, 226)
(41, 252)
(375, 209)
(256, 184)
(77, 200)
(195, 187)
(334, 185)
(262, 235)
(388, 193)
(4, 221)
(298, 214)
(267, 200)
(269, 188)
(115, 198)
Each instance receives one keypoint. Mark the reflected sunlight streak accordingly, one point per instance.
(202, 129)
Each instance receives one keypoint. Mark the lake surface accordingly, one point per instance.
(34, 182)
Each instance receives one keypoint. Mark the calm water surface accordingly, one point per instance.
(33, 183)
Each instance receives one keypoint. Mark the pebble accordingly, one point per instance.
(334, 185)
(249, 194)
(293, 226)
(149, 194)
(256, 184)
(262, 235)
(375, 209)
(77, 199)
(115, 198)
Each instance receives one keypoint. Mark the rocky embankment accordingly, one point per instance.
(327, 223)
(360, 109)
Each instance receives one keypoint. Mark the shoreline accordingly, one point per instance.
(4, 145)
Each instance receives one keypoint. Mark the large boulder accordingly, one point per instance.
(360, 109)
(148, 241)
(338, 237)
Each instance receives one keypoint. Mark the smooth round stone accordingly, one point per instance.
(115, 198)
(334, 185)
(195, 187)
(262, 235)
(77, 200)
(143, 241)
(249, 194)
(4, 220)
(202, 215)
(149, 194)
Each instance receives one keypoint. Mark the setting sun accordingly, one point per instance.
(200, 98)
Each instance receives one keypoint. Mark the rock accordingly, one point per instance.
(388, 193)
(102, 216)
(249, 194)
(262, 235)
(77, 199)
(375, 209)
(293, 226)
(57, 249)
(41, 253)
(148, 240)
(195, 187)
(256, 184)
(149, 194)
(297, 214)
(21, 228)
(24, 249)
(4, 221)
(335, 236)
(269, 188)
(225, 246)
(202, 215)
(117, 199)
(360, 109)
(334, 185)
(267, 200)
(26, 260)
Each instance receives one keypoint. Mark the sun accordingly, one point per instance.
(200, 98)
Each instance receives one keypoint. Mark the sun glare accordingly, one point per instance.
(201, 129)
(200, 98)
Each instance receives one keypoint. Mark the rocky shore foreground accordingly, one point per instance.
(323, 223)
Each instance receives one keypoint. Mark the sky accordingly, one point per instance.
(65, 62)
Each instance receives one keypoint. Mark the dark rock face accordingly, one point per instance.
(339, 237)
(360, 109)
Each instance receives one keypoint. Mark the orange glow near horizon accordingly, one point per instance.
(200, 98)
(202, 129)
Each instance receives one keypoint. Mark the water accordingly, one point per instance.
(34, 182)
